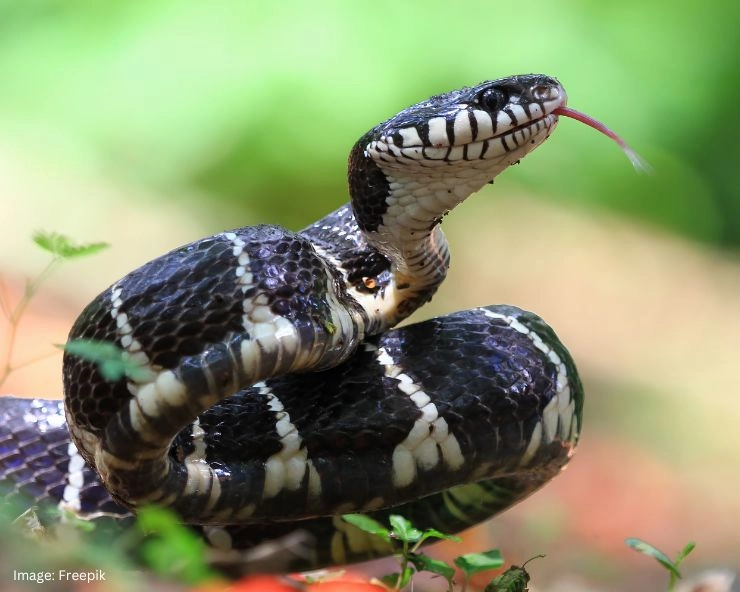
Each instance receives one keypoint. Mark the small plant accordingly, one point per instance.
(671, 566)
(171, 549)
(62, 249)
(407, 539)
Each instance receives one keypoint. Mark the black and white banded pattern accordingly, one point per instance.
(389, 431)
(272, 388)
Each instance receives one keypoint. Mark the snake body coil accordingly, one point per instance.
(272, 394)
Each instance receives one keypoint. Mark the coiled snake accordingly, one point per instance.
(273, 393)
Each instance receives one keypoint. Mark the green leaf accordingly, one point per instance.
(435, 534)
(396, 581)
(390, 580)
(425, 563)
(156, 519)
(61, 246)
(403, 529)
(475, 562)
(78, 523)
(647, 549)
(368, 525)
(171, 548)
(684, 552)
(111, 360)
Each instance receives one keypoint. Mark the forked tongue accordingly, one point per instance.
(635, 158)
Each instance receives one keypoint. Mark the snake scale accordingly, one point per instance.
(273, 392)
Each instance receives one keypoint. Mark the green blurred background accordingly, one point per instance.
(152, 123)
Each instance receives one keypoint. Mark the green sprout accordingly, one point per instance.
(62, 249)
(407, 539)
(671, 566)
(170, 548)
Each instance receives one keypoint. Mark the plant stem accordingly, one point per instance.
(4, 300)
(14, 316)
(404, 564)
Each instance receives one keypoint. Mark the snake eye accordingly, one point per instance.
(493, 99)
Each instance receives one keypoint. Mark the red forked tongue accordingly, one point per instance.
(635, 158)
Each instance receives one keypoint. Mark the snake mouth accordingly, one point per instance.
(547, 121)
(471, 135)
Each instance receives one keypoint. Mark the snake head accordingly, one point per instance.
(479, 123)
(456, 125)
(408, 172)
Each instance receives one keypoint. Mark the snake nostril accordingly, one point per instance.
(543, 92)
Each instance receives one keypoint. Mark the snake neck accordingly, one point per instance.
(386, 293)
(399, 209)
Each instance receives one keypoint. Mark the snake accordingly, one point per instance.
(273, 392)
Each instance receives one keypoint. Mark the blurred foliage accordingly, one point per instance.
(258, 104)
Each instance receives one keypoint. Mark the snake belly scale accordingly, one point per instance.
(274, 393)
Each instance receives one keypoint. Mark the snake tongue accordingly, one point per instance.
(636, 160)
